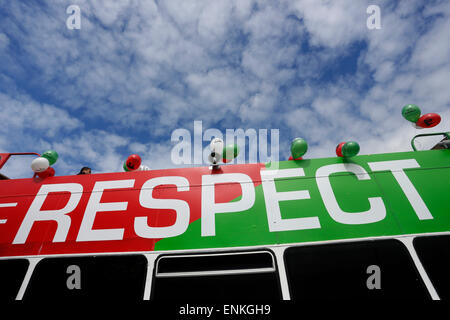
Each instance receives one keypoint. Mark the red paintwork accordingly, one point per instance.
(40, 238)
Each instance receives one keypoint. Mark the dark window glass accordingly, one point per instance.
(12, 273)
(97, 277)
(214, 283)
(434, 253)
(380, 269)
(215, 262)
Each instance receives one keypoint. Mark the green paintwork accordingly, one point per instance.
(248, 228)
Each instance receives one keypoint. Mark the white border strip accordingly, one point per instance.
(151, 258)
(229, 249)
(213, 272)
(284, 284)
(408, 242)
(26, 280)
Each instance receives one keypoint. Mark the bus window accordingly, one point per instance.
(96, 277)
(434, 253)
(218, 276)
(380, 269)
(12, 273)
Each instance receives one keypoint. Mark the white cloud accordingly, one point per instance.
(21, 112)
(97, 149)
(432, 51)
(137, 70)
(333, 23)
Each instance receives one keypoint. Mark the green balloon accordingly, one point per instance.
(411, 112)
(51, 156)
(350, 149)
(230, 152)
(125, 168)
(299, 147)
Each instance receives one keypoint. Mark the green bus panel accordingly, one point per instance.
(427, 171)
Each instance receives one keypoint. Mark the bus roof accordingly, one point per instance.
(239, 205)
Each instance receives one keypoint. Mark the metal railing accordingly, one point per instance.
(5, 156)
(445, 143)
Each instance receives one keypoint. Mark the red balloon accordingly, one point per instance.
(429, 120)
(339, 149)
(292, 158)
(50, 172)
(133, 162)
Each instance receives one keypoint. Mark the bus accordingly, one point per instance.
(367, 227)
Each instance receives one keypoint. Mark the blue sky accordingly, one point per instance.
(138, 70)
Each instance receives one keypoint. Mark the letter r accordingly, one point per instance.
(60, 216)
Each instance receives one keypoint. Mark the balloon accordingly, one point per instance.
(429, 120)
(339, 149)
(143, 168)
(230, 152)
(51, 156)
(215, 159)
(350, 149)
(50, 172)
(216, 146)
(125, 167)
(133, 162)
(40, 164)
(411, 112)
(292, 158)
(299, 147)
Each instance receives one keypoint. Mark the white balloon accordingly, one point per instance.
(40, 164)
(143, 168)
(216, 146)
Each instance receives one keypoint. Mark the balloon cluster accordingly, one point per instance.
(133, 163)
(412, 113)
(42, 165)
(299, 146)
(347, 149)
